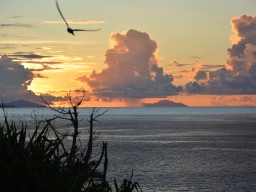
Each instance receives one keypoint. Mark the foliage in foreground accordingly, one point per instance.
(42, 160)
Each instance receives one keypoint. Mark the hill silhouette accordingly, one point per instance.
(21, 103)
(164, 103)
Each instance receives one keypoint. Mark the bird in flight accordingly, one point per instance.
(71, 31)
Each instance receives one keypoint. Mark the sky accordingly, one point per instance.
(198, 52)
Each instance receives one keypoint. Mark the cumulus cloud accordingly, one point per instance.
(201, 75)
(243, 53)
(186, 73)
(14, 80)
(132, 70)
(239, 75)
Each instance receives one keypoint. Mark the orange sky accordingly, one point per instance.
(197, 56)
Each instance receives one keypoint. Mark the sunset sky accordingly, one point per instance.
(198, 52)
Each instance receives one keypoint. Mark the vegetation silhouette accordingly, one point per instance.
(45, 160)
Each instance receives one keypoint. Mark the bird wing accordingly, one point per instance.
(57, 5)
(85, 29)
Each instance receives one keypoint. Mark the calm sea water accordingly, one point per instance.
(178, 149)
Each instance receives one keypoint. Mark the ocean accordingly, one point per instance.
(195, 149)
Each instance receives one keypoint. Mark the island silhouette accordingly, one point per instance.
(164, 103)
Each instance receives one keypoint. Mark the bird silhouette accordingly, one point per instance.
(70, 30)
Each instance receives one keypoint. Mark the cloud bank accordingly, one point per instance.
(14, 80)
(239, 75)
(132, 70)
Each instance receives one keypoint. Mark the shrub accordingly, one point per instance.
(42, 160)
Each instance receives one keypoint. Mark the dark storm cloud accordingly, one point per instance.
(13, 72)
(14, 79)
(239, 75)
(132, 70)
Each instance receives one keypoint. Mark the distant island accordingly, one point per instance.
(164, 103)
(21, 103)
